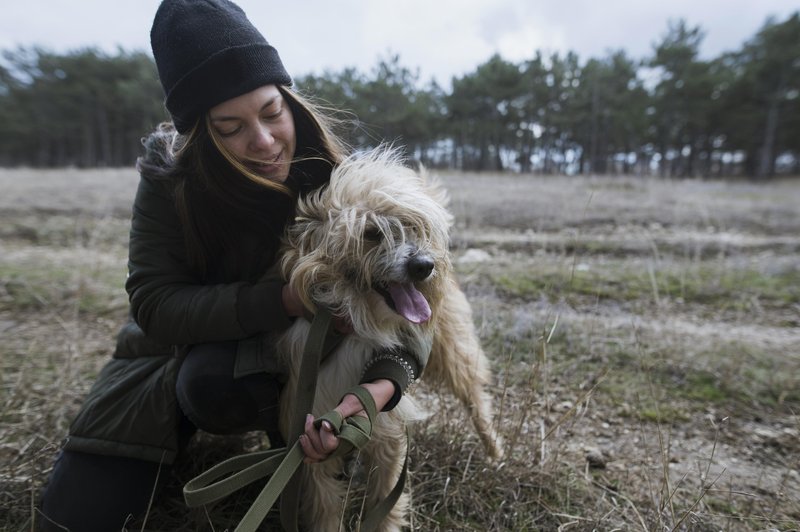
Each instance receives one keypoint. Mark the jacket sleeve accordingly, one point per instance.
(167, 299)
(402, 366)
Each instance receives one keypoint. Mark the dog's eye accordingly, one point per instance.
(373, 234)
(350, 274)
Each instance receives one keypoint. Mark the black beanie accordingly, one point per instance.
(207, 51)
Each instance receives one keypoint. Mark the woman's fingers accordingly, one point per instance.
(310, 441)
(317, 444)
(329, 440)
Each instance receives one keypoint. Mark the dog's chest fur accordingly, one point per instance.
(338, 372)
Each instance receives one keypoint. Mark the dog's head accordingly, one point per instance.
(372, 245)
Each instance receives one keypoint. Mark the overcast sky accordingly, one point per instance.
(442, 38)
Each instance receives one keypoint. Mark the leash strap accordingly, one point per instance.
(239, 471)
(285, 464)
(355, 431)
(231, 475)
(304, 403)
(377, 513)
(280, 463)
(266, 499)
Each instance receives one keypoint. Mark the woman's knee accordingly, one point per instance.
(215, 401)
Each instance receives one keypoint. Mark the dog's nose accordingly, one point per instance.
(419, 267)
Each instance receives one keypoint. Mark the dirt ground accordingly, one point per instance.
(683, 297)
(644, 335)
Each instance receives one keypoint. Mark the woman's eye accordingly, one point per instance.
(272, 115)
(229, 133)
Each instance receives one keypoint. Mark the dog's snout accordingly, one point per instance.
(419, 267)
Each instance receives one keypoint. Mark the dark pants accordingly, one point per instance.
(88, 492)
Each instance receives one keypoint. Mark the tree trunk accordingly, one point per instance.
(593, 141)
(766, 155)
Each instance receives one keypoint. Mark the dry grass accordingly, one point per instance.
(644, 336)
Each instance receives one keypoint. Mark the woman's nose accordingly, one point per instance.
(262, 137)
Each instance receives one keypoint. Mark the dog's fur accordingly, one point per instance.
(378, 226)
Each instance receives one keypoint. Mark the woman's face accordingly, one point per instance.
(258, 128)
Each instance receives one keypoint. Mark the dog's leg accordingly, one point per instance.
(458, 363)
(385, 455)
(321, 504)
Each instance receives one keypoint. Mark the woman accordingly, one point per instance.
(218, 187)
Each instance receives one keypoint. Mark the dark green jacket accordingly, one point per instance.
(132, 409)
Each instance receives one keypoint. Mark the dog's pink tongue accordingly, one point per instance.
(409, 302)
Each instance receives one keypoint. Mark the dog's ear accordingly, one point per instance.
(301, 248)
(437, 191)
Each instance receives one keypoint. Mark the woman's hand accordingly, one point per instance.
(292, 303)
(293, 306)
(318, 444)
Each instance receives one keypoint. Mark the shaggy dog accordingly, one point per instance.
(372, 246)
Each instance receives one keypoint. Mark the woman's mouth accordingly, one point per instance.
(267, 167)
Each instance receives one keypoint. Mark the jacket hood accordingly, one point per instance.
(159, 151)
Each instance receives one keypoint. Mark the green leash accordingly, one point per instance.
(239, 471)
(284, 464)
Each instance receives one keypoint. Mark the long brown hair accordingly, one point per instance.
(219, 199)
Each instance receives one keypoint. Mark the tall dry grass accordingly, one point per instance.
(644, 336)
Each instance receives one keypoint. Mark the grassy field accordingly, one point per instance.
(645, 337)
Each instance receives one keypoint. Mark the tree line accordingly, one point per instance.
(670, 114)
